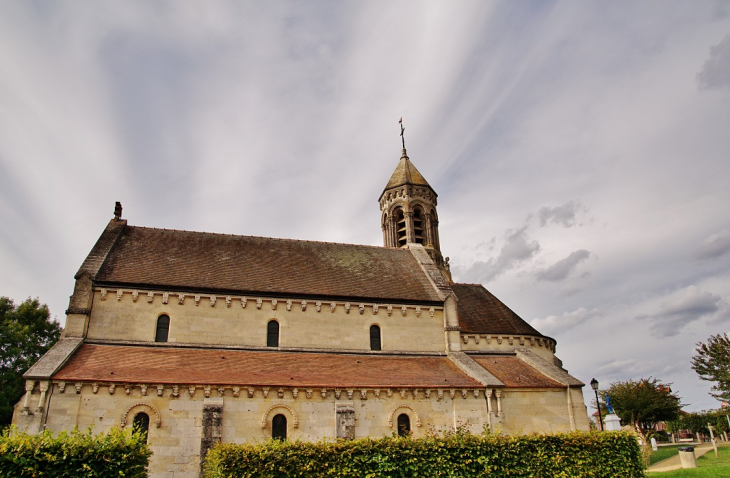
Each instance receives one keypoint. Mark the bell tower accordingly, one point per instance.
(408, 210)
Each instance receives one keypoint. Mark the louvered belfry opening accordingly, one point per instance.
(418, 226)
(401, 228)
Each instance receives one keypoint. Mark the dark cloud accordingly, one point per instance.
(565, 214)
(715, 73)
(687, 306)
(562, 269)
(714, 246)
(518, 248)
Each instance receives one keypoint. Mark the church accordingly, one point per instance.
(202, 338)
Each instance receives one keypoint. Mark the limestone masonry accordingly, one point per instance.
(202, 338)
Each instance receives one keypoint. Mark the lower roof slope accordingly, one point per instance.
(245, 264)
(111, 363)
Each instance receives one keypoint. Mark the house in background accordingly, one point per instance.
(203, 338)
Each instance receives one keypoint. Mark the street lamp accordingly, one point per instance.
(594, 386)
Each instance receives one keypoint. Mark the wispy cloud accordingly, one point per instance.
(564, 267)
(518, 247)
(715, 73)
(715, 246)
(564, 215)
(557, 323)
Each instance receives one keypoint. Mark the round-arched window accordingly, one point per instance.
(278, 427)
(141, 424)
(375, 342)
(272, 334)
(163, 328)
(404, 425)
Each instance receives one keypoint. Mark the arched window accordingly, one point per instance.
(141, 424)
(278, 427)
(404, 425)
(272, 334)
(375, 337)
(400, 227)
(418, 226)
(163, 328)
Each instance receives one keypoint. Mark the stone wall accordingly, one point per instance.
(178, 423)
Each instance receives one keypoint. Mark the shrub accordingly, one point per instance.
(577, 454)
(75, 454)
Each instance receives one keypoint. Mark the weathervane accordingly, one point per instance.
(402, 129)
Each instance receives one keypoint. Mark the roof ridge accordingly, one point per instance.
(263, 237)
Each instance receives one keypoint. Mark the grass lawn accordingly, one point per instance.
(707, 467)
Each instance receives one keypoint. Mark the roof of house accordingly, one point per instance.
(482, 313)
(171, 365)
(515, 373)
(146, 257)
(406, 173)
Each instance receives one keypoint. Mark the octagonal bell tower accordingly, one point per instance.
(408, 211)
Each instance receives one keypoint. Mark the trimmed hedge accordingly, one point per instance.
(576, 454)
(74, 454)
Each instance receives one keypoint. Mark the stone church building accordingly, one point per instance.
(203, 338)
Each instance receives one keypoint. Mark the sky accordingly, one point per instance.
(580, 149)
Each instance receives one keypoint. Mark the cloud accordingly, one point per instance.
(685, 307)
(561, 269)
(714, 246)
(555, 323)
(518, 248)
(565, 214)
(715, 73)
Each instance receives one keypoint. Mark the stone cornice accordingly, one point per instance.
(261, 302)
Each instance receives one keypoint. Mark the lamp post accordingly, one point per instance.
(594, 386)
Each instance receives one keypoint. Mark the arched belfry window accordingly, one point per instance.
(141, 424)
(375, 343)
(272, 334)
(278, 427)
(418, 220)
(163, 328)
(400, 227)
(404, 425)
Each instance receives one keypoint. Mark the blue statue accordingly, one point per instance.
(609, 407)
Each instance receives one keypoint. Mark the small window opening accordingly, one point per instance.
(141, 424)
(418, 226)
(272, 334)
(163, 328)
(278, 427)
(400, 222)
(375, 343)
(404, 425)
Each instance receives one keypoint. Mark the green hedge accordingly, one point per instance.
(577, 454)
(75, 454)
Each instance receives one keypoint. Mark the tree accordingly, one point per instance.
(712, 363)
(26, 333)
(644, 403)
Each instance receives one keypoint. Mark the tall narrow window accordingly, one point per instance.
(404, 425)
(141, 424)
(278, 427)
(374, 337)
(163, 328)
(272, 334)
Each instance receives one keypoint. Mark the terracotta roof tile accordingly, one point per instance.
(246, 264)
(138, 364)
(515, 373)
(482, 313)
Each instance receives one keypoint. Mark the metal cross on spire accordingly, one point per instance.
(402, 129)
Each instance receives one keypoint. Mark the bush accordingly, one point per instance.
(75, 454)
(577, 454)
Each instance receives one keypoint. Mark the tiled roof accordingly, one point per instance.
(406, 173)
(515, 373)
(139, 364)
(245, 264)
(482, 313)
